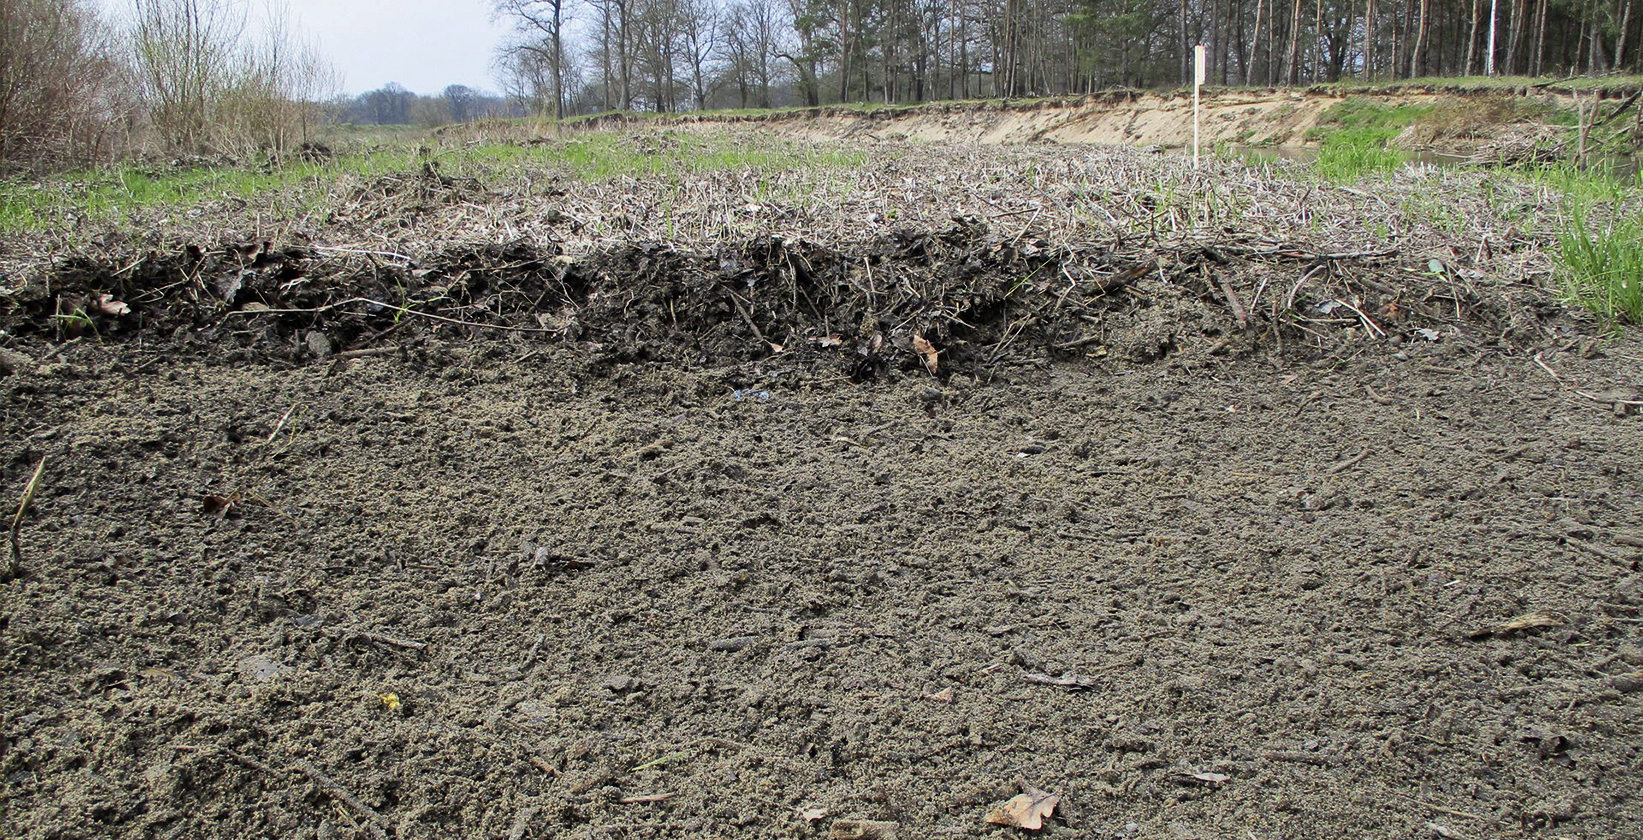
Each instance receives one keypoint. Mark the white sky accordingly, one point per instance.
(421, 44)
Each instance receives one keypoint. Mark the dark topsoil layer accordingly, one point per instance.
(646, 577)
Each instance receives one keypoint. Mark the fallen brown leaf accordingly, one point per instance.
(926, 351)
(1027, 810)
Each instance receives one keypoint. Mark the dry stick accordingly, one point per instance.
(377, 827)
(1597, 398)
(405, 310)
(368, 352)
(1619, 109)
(746, 316)
(1374, 329)
(1450, 811)
(14, 568)
(649, 797)
(1600, 551)
(1349, 463)
(1232, 301)
(1602, 399)
(1548, 369)
(280, 425)
(384, 639)
(365, 251)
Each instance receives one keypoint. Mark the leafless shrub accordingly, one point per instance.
(210, 88)
(60, 97)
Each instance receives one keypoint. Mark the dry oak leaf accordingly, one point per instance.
(926, 351)
(1027, 810)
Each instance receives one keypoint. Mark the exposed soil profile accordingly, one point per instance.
(664, 540)
(1271, 117)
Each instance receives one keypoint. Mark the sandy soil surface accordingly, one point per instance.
(693, 545)
(828, 603)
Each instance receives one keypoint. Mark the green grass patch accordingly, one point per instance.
(1601, 268)
(1351, 153)
(1619, 83)
(606, 155)
(104, 192)
(1612, 184)
(1361, 113)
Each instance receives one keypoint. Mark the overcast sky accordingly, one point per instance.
(421, 44)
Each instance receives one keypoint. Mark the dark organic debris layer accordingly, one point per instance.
(980, 298)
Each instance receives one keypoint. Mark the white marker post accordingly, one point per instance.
(1197, 82)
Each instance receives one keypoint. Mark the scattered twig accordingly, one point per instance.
(1076, 682)
(1598, 550)
(401, 309)
(368, 352)
(747, 317)
(259, 499)
(1528, 621)
(1450, 811)
(1548, 368)
(1296, 757)
(1575, 389)
(1349, 463)
(1374, 329)
(383, 639)
(648, 797)
(1599, 398)
(280, 425)
(363, 251)
(14, 563)
(1232, 301)
(1618, 110)
(377, 825)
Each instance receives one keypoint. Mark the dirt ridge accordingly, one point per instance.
(980, 297)
(1255, 116)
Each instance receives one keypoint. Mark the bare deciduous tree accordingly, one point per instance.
(541, 27)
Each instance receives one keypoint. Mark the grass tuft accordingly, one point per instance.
(1601, 269)
(1351, 153)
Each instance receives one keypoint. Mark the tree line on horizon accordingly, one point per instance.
(190, 77)
(578, 56)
